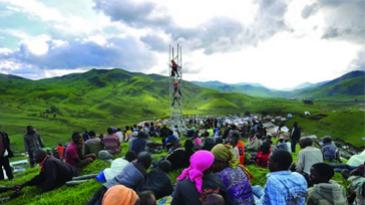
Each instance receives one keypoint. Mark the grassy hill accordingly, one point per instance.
(245, 88)
(98, 99)
(350, 86)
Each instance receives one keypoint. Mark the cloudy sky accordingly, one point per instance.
(279, 44)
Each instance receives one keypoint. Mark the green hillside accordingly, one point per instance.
(98, 99)
(245, 88)
(350, 86)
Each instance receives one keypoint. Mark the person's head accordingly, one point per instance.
(200, 162)
(223, 157)
(189, 145)
(265, 147)
(39, 155)
(76, 138)
(145, 159)
(234, 140)
(120, 195)
(130, 156)
(295, 124)
(305, 142)
(327, 140)
(110, 131)
(30, 130)
(164, 165)
(321, 173)
(92, 134)
(280, 160)
(147, 198)
(214, 199)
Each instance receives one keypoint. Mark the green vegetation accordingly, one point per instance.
(101, 98)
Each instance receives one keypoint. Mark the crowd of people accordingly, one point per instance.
(212, 158)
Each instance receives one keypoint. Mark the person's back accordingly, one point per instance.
(138, 145)
(325, 191)
(158, 181)
(308, 156)
(283, 186)
(186, 193)
(133, 175)
(327, 194)
(111, 143)
(93, 145)
(72, 154)
(329, 152)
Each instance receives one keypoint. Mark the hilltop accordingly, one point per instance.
(347, 87)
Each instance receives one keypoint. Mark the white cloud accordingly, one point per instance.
(279, 44)
(38, 45)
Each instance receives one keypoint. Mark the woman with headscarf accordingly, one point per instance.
(227, 168)
(120, 195)
(196, 181)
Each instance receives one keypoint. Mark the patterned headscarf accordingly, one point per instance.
(199, 162)
(224, 153)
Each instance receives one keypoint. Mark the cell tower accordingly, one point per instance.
(175, 86)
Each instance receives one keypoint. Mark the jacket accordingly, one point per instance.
(327, 194)
(32, 142)
(158, 182)
(53, 174)
(132, 176)
(6, 143)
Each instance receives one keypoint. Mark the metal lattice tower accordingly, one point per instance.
(175, 86)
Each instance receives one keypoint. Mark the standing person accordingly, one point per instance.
(282, 186)
(325, 191)
(111, 141)
(232, 176)
(74, 155)
(295, 136)
(32, 143)
(5, 154)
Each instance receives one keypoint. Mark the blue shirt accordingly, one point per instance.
(285, 188)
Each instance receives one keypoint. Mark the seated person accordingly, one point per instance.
(73, 155)
(356, 185)
(307, 156)
(158, 181)
(329, 150)
(325, 191)
(282, 186)
(179, 158)
(226, 167)
(132, 176)
(282, 145)
(139, 143)
(111, 141)
(120, 195)
(213, 199)
(93, 144)
(263, 155)
(254, 143)
(147, 198)
(196, 180)
(116, 166)
(53, 174)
